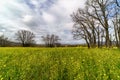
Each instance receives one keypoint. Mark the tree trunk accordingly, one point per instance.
(88, 44)
(107, 38)
(98, 37)
(116, 37)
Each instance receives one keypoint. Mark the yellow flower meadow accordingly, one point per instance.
(59, 64)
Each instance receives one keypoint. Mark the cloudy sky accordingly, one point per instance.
(40, 16)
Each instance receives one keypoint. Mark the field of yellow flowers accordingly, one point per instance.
(59, 64)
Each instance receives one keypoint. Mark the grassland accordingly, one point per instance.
(59, 64)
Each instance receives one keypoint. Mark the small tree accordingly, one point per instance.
(3, 41)
(51, 40)
(26, 38)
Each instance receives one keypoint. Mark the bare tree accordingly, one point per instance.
(51, 40)
(116, 23)
(3, 41)
(85, 27)
(80, 33)
(93, 20)
(26, 38)
(101, 11)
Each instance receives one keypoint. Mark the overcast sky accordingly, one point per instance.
(40, 16)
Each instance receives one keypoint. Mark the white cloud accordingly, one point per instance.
(27, 18)
(48, 18)
(40, 16)
(34, 2)
(70, 5)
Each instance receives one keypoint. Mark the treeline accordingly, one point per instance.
(26, 38)
(98, 23)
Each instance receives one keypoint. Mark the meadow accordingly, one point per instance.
(59, 64)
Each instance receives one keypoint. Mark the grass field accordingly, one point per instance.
(59, 64)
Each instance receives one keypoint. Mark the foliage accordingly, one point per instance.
(59, 64)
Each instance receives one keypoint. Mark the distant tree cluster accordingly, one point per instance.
(51, 40)
(3, 41)
(93, 23)
(27, 38)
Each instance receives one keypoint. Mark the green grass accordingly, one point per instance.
(59, 64)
